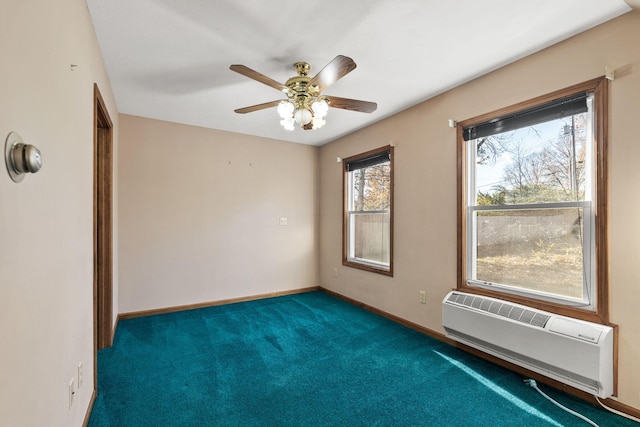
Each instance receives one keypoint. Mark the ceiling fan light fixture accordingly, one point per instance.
(320, 108)
(288, 123)
(285, 109)
(303, 116)
(318, 122)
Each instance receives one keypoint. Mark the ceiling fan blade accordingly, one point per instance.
(257, 107)
(252, 74)
(339, 67)
(351, 104)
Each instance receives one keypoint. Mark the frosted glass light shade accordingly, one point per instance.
(285, 109)
(318, 122)
(288, 123)
(320, 108)
(302, 116)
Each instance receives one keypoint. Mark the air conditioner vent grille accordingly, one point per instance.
(499, 308)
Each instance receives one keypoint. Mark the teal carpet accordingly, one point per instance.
(308, 360)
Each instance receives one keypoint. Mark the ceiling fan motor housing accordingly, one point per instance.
(299, 85)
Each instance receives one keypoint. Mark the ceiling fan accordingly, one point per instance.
(306, 106)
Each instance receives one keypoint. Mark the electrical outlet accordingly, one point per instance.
(79, 375)
(423, 297)
(283, 221)
(335, 272)
(71, 393)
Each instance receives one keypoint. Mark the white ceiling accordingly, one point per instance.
(169, 59)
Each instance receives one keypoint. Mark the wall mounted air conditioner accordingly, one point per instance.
(572, 351)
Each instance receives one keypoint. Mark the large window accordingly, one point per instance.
(533, 226)
(368, 211)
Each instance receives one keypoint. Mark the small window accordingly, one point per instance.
(533, 180)
(368, 211)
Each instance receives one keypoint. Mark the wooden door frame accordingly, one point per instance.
(102, 224)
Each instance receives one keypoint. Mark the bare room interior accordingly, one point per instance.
(162, 156)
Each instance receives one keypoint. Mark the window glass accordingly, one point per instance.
(540, 250)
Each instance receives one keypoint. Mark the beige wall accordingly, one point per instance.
(46, 222)
(200, 213)
(425, 184)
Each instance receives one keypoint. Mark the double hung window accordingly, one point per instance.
(368, 211)
(533, 201)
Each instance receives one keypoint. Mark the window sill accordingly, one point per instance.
(369, 267)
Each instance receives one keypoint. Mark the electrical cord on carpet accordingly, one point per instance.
(533, 384)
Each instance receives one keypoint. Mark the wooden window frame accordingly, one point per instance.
(599, 87)
(345, 217)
